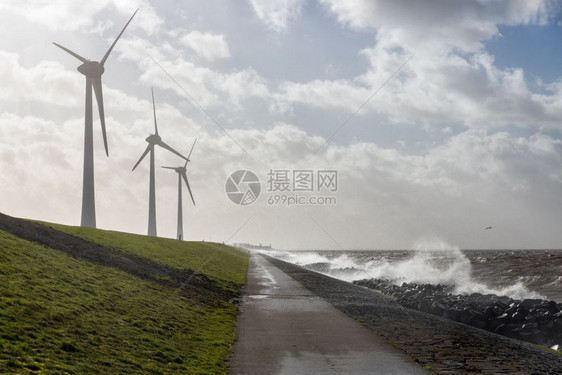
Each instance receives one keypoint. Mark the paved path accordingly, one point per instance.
(285, 329)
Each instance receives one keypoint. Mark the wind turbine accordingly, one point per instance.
(154, 140)
(181, 171)
(93, 71)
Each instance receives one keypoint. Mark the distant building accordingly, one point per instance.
(252, 246)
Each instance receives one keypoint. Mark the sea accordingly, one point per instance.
(519, 274)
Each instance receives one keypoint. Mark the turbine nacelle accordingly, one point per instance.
(179, 170)
(182, 172)
(182, 175)
(91, 69)
(154, 139)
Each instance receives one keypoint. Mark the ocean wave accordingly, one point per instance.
(432, 262)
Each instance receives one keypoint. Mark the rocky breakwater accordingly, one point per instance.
(533, 320)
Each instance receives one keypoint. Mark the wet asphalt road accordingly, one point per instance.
(285, 329)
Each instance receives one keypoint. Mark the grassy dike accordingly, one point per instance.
(62, 314)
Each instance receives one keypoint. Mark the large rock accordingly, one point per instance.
(532, 320)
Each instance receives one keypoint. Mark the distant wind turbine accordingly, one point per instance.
(154, 140)
(182, 174)
(93, 71)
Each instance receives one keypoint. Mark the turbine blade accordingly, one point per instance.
(184, 176)
(148, 148)
(115, 42)
(154, 109)
(164, 145)
(169, 167)
(190, 151)
(99, 96)
(72, 53)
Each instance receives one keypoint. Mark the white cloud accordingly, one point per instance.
(50, 83)
(71, 16)
(417, 25)
(439, 84)
(207, 86)
(391, 197)
(472, 179)
(47, 82)
(39, 169)
(210, 46)
(323, 94)
(450, 77)
(277, 14)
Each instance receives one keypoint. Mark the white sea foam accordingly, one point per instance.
(433, 262)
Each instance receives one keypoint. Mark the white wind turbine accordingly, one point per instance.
(154, 140)
(182, 174)
(93, 71)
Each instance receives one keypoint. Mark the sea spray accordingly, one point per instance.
(433, 261)
(436, 262)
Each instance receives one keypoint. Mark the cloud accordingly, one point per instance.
(50, 83)
(69, 16)
(208, 86)
(473, 178)
(277, 14)
(47, 82)
(210, 46)
(392, 198)
(450, 79)
(40, 168)
(417, 25)
(323, 94)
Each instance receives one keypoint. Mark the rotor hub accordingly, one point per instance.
(153, 138)
(91, 69)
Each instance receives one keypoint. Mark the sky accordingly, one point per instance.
(370, 124)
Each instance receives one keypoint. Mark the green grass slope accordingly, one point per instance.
(59, 314)
(223, 264)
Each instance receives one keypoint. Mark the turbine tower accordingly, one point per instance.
(93, 71)
(154, 140)
(182, 174)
